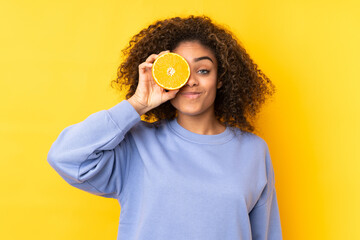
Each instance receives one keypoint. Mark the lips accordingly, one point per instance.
(191, 95)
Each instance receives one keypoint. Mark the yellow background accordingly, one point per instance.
(57, 61)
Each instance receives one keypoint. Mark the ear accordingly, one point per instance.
(219, 84)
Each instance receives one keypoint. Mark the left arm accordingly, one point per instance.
(265, 217)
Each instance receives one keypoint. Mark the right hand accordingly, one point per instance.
(148, 94)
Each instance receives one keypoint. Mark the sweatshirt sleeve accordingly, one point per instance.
(93, 155)
(265, 216)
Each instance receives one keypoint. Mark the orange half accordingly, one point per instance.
(170, 71)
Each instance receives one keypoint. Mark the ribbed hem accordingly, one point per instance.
(124, 115)
(221, 138)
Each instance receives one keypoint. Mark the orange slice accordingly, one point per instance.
(170, 71)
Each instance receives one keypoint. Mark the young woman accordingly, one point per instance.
(197, 170)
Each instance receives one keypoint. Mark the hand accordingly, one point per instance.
(148, 94)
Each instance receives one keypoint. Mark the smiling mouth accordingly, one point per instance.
(191, 94)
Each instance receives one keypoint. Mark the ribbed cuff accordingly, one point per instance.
(124, 115)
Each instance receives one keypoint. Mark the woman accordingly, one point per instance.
(197, 171)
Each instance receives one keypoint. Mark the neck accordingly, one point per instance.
(201, 124)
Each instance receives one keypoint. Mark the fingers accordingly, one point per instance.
(166, 51)
(144, 65)
(148, 63)
(170, 94)
(152, 57)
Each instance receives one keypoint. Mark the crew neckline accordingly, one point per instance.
(220, 138)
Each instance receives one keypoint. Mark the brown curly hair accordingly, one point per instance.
(244, 87)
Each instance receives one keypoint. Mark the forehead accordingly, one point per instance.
(193, 49)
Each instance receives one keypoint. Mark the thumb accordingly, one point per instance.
(171, 94)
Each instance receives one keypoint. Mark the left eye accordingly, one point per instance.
(203, 71)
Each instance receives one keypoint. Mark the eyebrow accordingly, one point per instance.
(202, 58)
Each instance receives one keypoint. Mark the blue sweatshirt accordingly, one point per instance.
(172, 184)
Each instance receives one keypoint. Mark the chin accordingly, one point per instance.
(189, 109)
(186, 110)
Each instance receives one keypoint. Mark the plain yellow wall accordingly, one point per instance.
(58, 58)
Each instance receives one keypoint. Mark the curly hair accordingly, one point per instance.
(244, 86)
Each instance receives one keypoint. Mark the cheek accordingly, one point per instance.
(175, 102)
(211, 90)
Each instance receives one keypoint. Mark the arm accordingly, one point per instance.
(265, 217)
(93, 155)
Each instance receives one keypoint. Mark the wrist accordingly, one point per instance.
(139, 107)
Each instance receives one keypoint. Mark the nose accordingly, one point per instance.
(192, 81)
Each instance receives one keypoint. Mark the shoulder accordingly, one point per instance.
(262, 151)
(250, 139)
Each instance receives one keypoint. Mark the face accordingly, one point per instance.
(198, 95)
